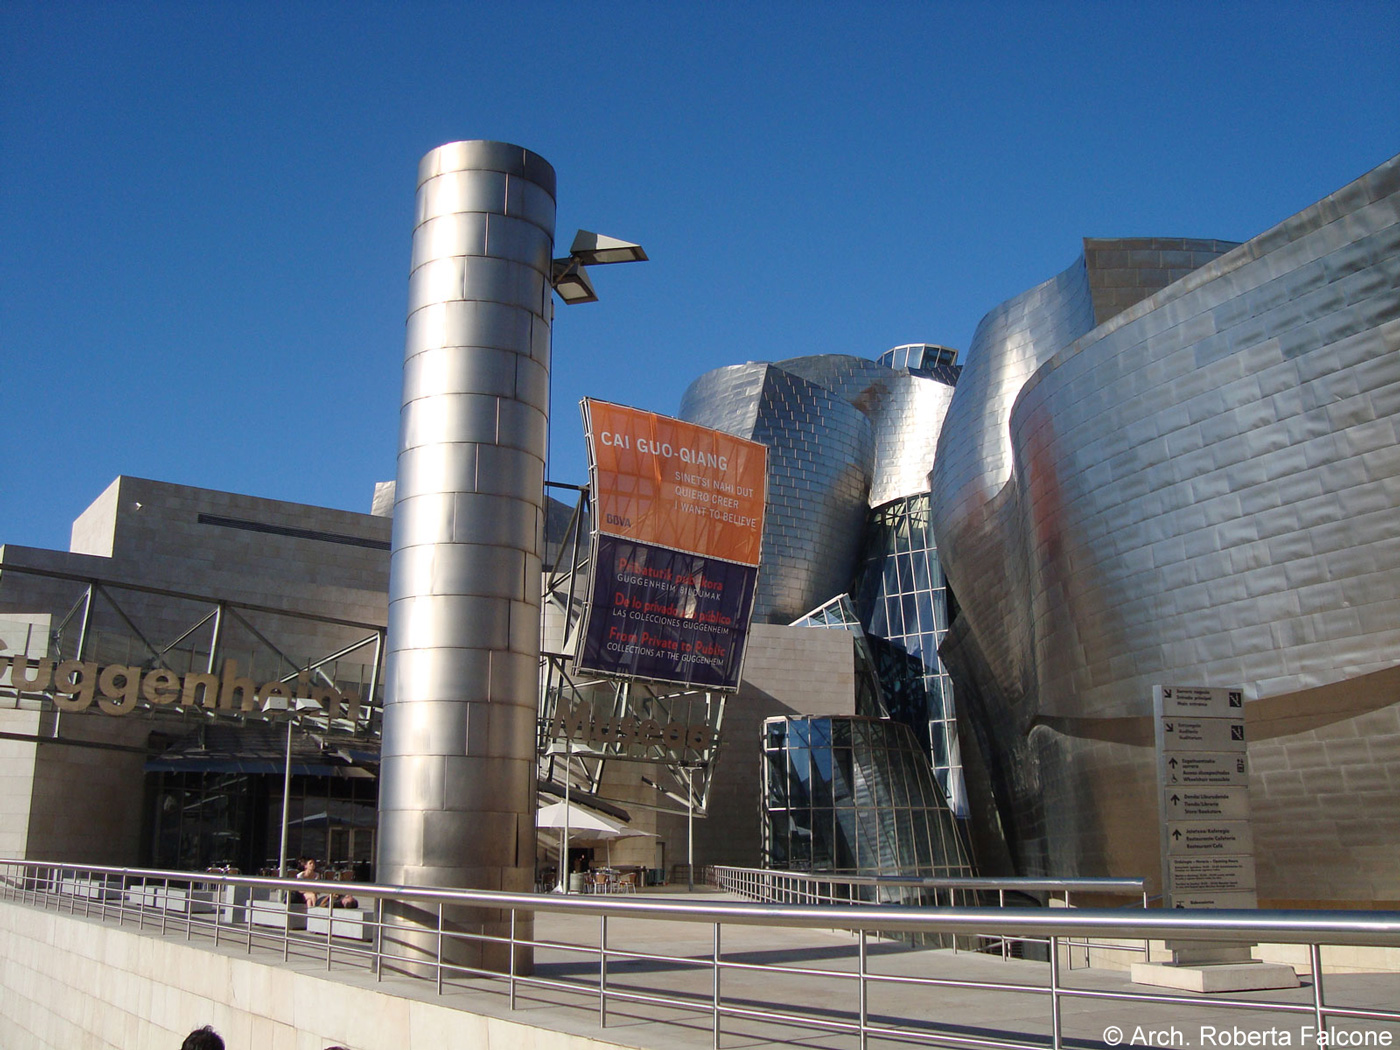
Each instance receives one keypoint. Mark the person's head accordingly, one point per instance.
(203, 1039)
(309, 864)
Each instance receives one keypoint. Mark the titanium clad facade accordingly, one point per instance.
(974, 458)
(457, 779)
(845, 434)
(820, 452)
(905, 409)
(862, 529)
(1203, 489)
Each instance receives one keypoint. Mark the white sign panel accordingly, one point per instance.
(1244, 899)
(1201, 702)
(1212, 874)
(1196, 837)
(1202, 734)
(1220, 769)
(1221, 803)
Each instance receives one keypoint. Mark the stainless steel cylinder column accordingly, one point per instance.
(457, 779)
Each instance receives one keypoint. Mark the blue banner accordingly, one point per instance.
(666, 615)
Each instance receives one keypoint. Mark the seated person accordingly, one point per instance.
(309, 871)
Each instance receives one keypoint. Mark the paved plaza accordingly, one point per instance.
(983, 1014)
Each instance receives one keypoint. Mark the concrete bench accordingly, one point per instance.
(143, 896)
(233, 904)
(92, 889)
(280, 915)
(172, 898)
(178, 898)
(353, 923)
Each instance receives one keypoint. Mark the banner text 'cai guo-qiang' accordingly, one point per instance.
(118, 689)
(674, 484)
(678, 512)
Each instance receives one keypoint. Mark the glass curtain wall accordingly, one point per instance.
(902, 598)
(202, 820)
(851, 795)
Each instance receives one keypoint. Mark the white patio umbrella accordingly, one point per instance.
(583, 824)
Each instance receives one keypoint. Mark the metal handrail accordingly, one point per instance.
(71, 887)
(804, 887)
(1125, 887)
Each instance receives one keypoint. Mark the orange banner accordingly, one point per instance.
(662, 481)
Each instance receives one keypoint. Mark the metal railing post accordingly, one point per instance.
(1055, 991)
(439, 949)
(513, 913)
(1319, 1011)
(602, 971)
(330, 928)
(378, 939)
(1069, 941)
(864, 991)
(1005, 938)
(715, 994)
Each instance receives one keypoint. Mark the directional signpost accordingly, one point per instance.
(1207, 840)
(1203, 777)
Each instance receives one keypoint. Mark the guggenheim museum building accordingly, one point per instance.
(1174, 463)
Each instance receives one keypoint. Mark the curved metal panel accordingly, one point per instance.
(437, 674)
(434, 621)
(450, 419)
(464, 323)
(507, 472)
(460, 191)
(905, 409)
(445, 236)
(527, 201)
(459, 370)
(422, 730)
(477, 155)
(820, 457)
(480, 518)
(458, 568)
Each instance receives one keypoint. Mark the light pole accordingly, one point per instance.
(689, 830)
(293, 709)
(563, 886)
(572, 284)
(689, 770)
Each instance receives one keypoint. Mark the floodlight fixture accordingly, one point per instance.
(571, 281)
(595, 248)
(568, 275)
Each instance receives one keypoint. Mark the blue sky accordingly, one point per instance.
(205, 208)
